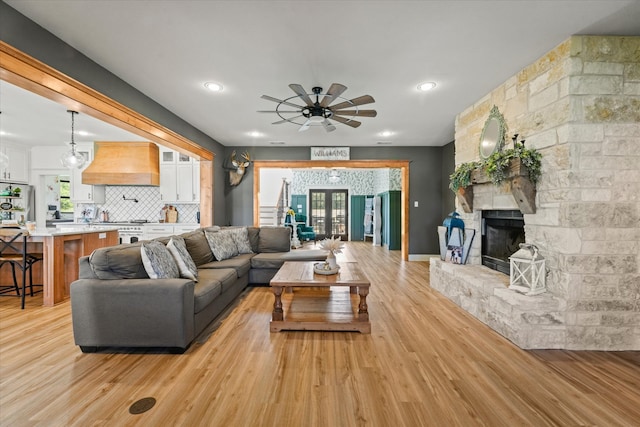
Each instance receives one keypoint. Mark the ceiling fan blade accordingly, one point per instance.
(328, 126)
(301, 93)
(305, 126)
(277, 111)
(279, 101)
(360, 113)
(334, 91)
(348, 122)
(286, 120)
(361, 100)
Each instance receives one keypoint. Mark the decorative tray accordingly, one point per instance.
(318, 268)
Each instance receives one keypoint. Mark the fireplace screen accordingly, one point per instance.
(502, 233)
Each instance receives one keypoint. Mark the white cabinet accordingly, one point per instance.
(17, 170)
(156, 230)
(152, 231)
(168, 182)
(85, 193)
(179, 229)
(179, 177)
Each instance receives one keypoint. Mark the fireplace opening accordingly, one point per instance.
(502, 233)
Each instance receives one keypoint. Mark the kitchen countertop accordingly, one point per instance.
(48, 232)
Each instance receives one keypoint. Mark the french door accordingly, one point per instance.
(329, 213)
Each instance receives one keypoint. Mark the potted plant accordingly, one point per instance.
(496, 166)
(461, 177)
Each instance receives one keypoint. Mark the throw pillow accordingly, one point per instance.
(241, 238)
(222, 244)
(187, 267)
(274, 239)
(158, 261)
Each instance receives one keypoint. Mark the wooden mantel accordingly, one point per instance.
(517, 177)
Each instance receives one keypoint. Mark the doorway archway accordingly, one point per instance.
(403, 165)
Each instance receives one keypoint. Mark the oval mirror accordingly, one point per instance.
(492, 138)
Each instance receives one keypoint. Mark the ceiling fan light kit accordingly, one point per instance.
(319, 112)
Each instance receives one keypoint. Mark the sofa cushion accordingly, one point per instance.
(254, 238)
(241, 263)
(118, 262)
(241, 239)
(276, 259)
(158, 261)
(204, 292)
(198, 246)
(222, 244)
(185, 263)
(274, 239)
(227, 277)
(267, 260)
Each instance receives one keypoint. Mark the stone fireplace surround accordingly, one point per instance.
(579, 105)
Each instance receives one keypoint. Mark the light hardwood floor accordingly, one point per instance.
(425, 363)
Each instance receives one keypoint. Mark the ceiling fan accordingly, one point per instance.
(318, 112)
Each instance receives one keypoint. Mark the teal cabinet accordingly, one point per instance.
(357, 218)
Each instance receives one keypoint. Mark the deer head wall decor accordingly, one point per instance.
(236, 174)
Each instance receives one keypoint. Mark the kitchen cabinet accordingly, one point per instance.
(179, 229)
(152, 231)
(85, 193)
(179, 177)
(156, 230)
(17, 170)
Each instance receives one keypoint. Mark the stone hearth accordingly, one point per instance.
(579, 105)
(528, 322)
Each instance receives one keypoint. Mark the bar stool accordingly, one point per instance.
(17, 257)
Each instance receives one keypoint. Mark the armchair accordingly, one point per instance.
(305, 232)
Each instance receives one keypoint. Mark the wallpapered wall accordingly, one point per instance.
(359, 182)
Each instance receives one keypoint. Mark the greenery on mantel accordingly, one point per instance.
(497, 165)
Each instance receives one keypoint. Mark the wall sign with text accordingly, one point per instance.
(330, 153)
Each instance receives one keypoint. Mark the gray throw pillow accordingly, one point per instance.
(158, 261)
(241, 238)
(187, 267)
(222, 244)
(274, 239)
(198, 246)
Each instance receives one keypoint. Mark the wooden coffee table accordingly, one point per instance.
(317, 307)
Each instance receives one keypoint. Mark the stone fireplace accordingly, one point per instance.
(579, 105)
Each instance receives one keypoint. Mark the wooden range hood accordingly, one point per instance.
(124, 163)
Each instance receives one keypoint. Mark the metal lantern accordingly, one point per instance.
(527, 270)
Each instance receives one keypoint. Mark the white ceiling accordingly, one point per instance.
(169, 49)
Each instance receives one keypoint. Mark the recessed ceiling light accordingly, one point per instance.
(213, 86)
(386, 133)
(426, 86)
(254, 134)
(83, 133)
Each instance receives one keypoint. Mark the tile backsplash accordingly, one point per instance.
(149, 205)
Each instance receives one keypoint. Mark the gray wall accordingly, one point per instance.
(425, 186)
(448, 166)
(27, 36)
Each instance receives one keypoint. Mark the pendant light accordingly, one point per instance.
(72, 159)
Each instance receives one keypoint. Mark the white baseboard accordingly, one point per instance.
(422, 257)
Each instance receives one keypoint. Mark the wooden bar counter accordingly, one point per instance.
(61, 250)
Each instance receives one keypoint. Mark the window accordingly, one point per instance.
(66, 206)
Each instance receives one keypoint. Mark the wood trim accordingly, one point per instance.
(26, 72)
(403, 165)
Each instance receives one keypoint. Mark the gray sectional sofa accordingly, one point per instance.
(115, 303)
